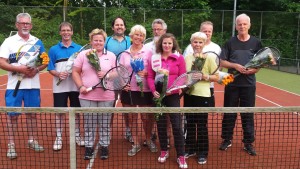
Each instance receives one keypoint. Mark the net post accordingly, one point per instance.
(72, 139)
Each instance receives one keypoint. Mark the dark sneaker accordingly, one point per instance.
(202, 160)
(104, 153)
(189, 154)
(153, 137)
(89, 152)
(249, 149)
(225, 144)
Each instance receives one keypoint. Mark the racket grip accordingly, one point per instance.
(89, 89)
(17, 88)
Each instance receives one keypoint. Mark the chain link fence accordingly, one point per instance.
(278, 29)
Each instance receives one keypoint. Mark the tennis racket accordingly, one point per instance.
(26, 55)
(185, 80)
(212, 70)
(70, 62)
(115, 79)
(123, 59)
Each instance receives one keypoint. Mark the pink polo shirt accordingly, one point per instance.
(125, 61)
(174, 63)
(90, 78)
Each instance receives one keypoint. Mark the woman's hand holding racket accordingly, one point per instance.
(115, 79)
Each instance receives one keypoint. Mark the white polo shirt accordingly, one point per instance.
(9, 50)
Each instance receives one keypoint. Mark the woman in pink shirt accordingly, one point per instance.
(132, 95)
(85, 76)
(169, 59)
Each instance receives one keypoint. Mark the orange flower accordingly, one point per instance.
(225, 78)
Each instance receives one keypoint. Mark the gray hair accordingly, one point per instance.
(198, 35)
(23, 15)
(160, 21)
(243, 15)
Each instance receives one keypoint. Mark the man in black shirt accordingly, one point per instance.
(236, 52)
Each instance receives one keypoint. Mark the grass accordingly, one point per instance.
(286, 81)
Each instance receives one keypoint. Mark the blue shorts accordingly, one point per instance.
(31, 98)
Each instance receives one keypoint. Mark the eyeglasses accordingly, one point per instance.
(66, 30)
(157, 30)
(24, 23)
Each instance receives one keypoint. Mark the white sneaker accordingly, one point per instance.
(79, 141)
(11, 152)
(34, 145)
(57, 144)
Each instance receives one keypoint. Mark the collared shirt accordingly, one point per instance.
(9, 50)
(125, 61)
(90, 78)
(59, 55)
(115, 46)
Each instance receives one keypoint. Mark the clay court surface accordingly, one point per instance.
(277, 138)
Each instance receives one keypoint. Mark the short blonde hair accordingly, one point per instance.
(97, 31)
(198, 35)
(138, 28)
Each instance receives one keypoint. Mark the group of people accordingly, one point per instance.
(160, 57)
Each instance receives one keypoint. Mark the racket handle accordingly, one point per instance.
(17, 88)
(90, 89)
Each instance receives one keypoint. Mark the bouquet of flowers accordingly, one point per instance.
(70, 62)
(264, 57)
(225, 78)
(199, 61)
(161, 82)
(94, 59)
(138, 65)
(31, 58)
(261, 61)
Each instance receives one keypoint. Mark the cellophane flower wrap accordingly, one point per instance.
(161, 84)
(137, 65)
(225, 78)
(69, 65)
(199, 61)
(197, 65)
(262, 60)
(94, 59)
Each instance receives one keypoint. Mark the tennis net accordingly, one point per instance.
(277, 140)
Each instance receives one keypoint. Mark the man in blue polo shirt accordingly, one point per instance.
(118, 43)
(66, 88)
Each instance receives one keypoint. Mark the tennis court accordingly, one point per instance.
(277, 138)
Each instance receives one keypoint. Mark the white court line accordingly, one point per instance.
(276, 104)
(90, 165)
(280, 89)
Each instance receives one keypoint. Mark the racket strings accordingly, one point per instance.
(116, 79)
